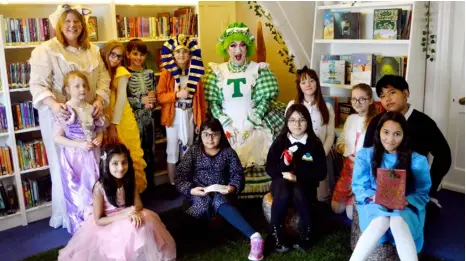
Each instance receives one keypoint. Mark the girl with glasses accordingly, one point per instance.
(296, 163)
(322, 115)
(122, 127)
(212, 161)
(349, 142)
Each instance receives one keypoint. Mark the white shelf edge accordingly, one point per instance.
(4, 134)
(11, 215)
(48, 204)
(28, 130)
(7, 176)
(361, 41)
(20, 89)
(34, 169)
(365, 5)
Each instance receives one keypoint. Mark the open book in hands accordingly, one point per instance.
(216, 188)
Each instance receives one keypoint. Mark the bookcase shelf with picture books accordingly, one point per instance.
(25, 185)
(359, 42)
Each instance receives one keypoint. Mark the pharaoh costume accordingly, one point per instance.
(242, 98)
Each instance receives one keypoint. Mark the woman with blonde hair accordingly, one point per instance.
(122, 127)
(69, 51)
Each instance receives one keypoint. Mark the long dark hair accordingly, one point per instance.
(318, 98)
(301, 109)
(108, 181)
(403, 151)
(214, 125)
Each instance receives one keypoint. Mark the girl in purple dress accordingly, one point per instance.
(120, 229)
(79, 138)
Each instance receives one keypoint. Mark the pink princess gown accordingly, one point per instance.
(120, 240)
(80, 168)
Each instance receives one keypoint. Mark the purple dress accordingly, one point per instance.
(80, 169)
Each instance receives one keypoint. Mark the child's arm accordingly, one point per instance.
(422, 182)
(184, 173)
(60, 139)
(361, 184)
(120, 100)
(330, 138)
(137, 201)
(99, 214)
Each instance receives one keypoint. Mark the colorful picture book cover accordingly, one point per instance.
(387, 24)
(328, 25)
(346, 25)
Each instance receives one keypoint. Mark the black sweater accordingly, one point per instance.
(424, 137)
(310, 172)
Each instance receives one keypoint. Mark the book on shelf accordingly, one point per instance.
(31, 192)
(387, 24)
(31, 154)
(388, 65)
(6, 163)
(346, 25)
(92, 28)
(345, 109)
(26, 30)
(18, 75)
(391, 188)
(332, 71)
(8, 198)
(361, 64)
(24, 115)
(328, 25)
(3, 119)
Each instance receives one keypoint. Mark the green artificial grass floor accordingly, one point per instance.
(218, 241)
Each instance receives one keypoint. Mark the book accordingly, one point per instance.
(391, 188)
(92, 28)
(385, 65)
(216, 188)
(361, 68)
(387, 24)
(332, 72)
(328, 25)
(346, 25)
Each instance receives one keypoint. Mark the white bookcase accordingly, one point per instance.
(415, 72)
(106, 11)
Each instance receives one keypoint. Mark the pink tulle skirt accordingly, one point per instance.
(121, 241)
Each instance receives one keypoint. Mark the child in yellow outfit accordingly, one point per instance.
(123, 127)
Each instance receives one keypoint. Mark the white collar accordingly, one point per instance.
(409, 112)
(302, 140)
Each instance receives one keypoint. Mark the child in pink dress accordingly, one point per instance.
(120, 229)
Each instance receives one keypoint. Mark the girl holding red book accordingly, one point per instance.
(403, 228)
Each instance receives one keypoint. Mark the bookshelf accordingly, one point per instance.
(411, 47)
(105, 11)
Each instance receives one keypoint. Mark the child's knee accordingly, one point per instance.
(397, 223)
(380, 223)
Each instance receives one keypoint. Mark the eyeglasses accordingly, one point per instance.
(206, 135)
(301, 121)
(117, 56)
(360, 100)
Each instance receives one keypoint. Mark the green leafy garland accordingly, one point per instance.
(277, 36)
(428, 39)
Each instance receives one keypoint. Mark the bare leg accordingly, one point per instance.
(171, 173)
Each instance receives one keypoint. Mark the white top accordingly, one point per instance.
(409, 112)
(354, 124)
(326, 133)
(51, 61)
(120, 100)
(303, 139)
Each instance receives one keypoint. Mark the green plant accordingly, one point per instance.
(428, 38)
(277, 36)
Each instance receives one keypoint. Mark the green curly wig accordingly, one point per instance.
(238, 32)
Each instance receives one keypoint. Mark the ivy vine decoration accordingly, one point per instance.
(428, 38)
(288, 59)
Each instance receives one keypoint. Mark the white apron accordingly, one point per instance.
(237, 104)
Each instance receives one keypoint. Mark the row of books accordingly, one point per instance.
(31, 154)
(343, 108)
(3, 119)
(162, 26)
(19, 75)
(8, 199)
(24, 115)
(36, 191)
(6, 163)
(360, 68)
(389, 24)
(24, 30)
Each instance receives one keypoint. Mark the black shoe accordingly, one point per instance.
(277, 235)
(304, 242)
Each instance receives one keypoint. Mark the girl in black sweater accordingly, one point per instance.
(296, 162)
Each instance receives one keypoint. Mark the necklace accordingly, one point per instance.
(237, 69)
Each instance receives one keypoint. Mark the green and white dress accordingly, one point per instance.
(236, 94)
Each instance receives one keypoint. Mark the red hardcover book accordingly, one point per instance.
(391, 188)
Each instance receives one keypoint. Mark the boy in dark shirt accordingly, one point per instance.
(424, 135)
